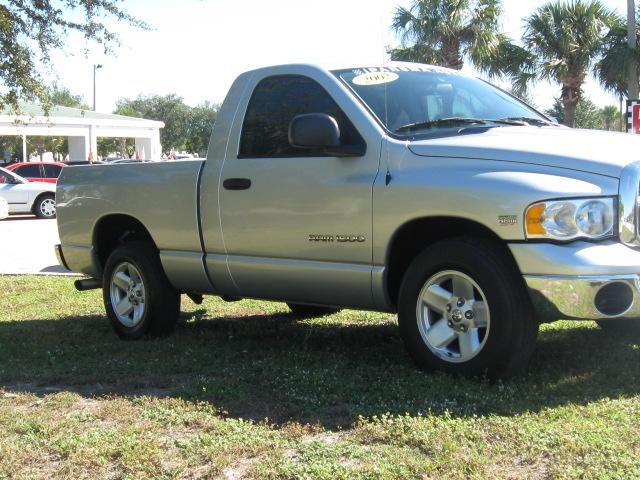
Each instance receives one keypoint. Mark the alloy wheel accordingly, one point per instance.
(453, 316)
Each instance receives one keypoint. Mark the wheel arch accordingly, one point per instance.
(116, 229)
(414, 236)
(34, 204)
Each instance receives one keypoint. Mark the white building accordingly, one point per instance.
(82, 127)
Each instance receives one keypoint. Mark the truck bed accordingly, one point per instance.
(162, 196)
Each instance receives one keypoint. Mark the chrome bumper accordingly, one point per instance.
(585, 298)
(581, 280)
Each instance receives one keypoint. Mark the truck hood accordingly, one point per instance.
(594, 151)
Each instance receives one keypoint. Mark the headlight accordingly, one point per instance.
(570, 219)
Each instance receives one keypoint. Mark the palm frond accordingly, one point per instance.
(447, 31)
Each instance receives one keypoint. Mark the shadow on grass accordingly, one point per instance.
(277, 367)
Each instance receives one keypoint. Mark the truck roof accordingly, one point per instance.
(332, 67)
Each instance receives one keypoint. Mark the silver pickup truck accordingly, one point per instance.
(405, 188)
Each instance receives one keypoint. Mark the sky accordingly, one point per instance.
(196, 48)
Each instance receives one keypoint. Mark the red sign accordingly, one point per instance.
(635, 115)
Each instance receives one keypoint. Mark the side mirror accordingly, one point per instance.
(321, 132)
(314, 130)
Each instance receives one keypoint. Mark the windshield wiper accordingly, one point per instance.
(439, 122)
(529, 121)
(453, 121)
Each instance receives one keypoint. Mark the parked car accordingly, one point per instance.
(38, 171)
(24, 196)
(4, 208)
(406, 188)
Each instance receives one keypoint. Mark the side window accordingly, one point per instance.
(32, 171)
(274, 103)
(52, 171)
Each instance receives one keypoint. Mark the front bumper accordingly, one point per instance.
(581, 280)
(585, 298)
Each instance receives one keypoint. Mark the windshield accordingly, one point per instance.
(9, 177)
(421, 99)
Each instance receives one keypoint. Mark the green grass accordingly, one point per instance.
(244, 390)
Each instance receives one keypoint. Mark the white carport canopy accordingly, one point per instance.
(82, 127)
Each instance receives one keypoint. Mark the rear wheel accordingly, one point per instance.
(310, 311)
(45, 206)
(463, 309)
(138, 298)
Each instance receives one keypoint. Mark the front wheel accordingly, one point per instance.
(45, 206)
(137, 295)
(463, 309)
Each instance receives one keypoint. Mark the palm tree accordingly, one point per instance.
(564, 41)
(446, 32)
(614, 65)
(613, 71)
(610, 116)
(632, 43)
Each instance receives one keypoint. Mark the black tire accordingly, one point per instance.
(161, 302)
(310, 311)
(42, 207)
(508, 342)
(620, 326)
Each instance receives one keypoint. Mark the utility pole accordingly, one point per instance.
(632, 79)
(97, 67)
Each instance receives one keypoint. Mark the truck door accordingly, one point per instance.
(297, 223)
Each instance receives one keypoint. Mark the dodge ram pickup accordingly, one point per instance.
(404, 188)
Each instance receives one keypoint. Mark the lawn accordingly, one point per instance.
(244, 390)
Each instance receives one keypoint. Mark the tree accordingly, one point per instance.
(10, 148)
(124, 146)
(632, 43)
(525, 96)
(587, 114)
(169, 109)
(562, 43)
(199, 124)
(62, 97)
(446, 32)
(31, 29)
(611, 117)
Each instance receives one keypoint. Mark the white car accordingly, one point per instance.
(27, 197)
(4, 208)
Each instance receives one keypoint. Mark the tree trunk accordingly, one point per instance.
(632, 73)
(451, 55)
(570, 98)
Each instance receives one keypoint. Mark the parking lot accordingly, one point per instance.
(28, 246)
